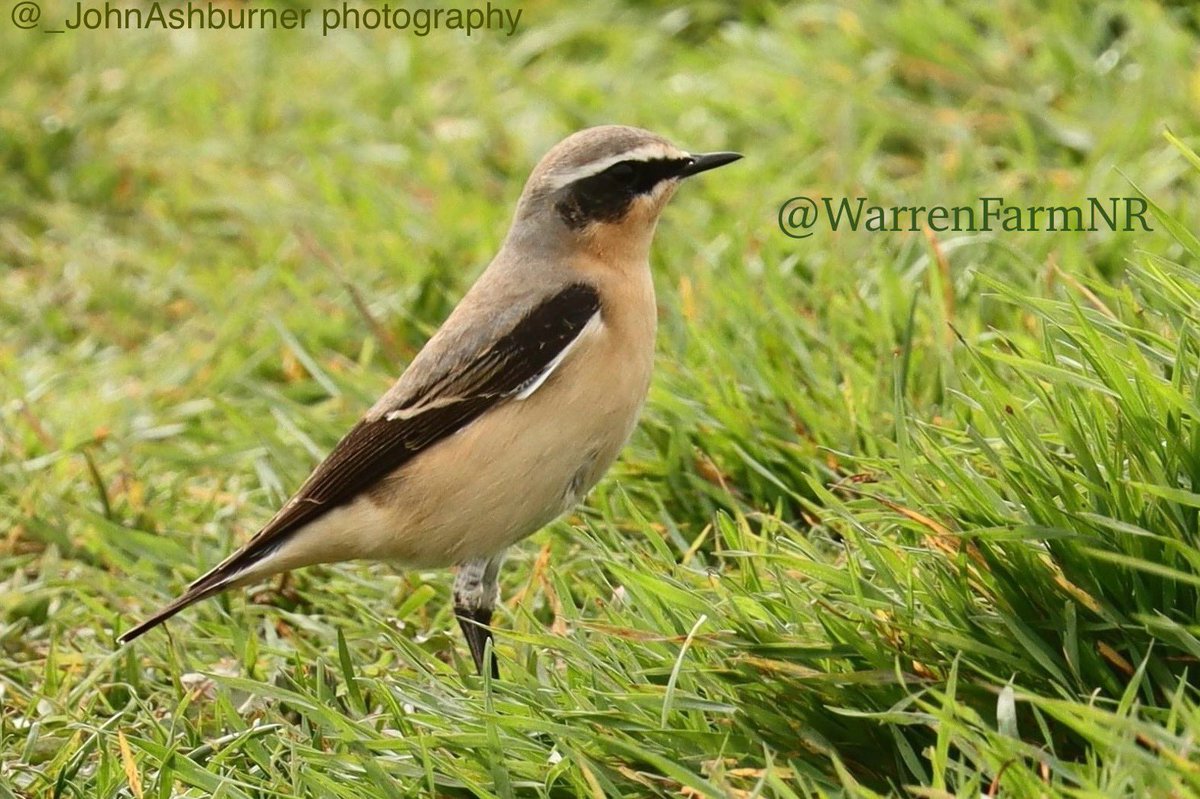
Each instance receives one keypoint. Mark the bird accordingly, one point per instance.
(514, 408)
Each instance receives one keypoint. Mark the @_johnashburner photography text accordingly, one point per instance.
(341, 16)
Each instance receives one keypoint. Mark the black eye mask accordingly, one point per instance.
(606, 196)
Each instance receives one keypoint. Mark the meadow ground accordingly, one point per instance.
(908, 512)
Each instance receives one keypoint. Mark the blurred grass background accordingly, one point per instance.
(906, 514)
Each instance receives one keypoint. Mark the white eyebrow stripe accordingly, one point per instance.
(647, 152)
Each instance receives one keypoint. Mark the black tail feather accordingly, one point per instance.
(193, 595)
(229, 573)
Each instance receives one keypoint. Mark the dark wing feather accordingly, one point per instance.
(379, 446)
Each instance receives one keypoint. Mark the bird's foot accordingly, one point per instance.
(475, 626)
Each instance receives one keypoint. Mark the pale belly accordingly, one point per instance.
(515, 470)
(526, 483)
(501, 478)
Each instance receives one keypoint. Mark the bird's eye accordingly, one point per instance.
(622, 171)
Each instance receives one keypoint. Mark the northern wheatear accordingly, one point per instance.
(514, 408)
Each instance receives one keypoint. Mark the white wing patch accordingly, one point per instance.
(531, 385)
(417, 410)
(523, 391)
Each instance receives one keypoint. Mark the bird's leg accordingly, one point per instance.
(476, 589)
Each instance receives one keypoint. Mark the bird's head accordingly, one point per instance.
(606, 186)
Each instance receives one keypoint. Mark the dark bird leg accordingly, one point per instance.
(476, 589)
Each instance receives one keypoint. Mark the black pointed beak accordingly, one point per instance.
(702, 162)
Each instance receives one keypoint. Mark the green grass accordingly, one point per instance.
(904, 515)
